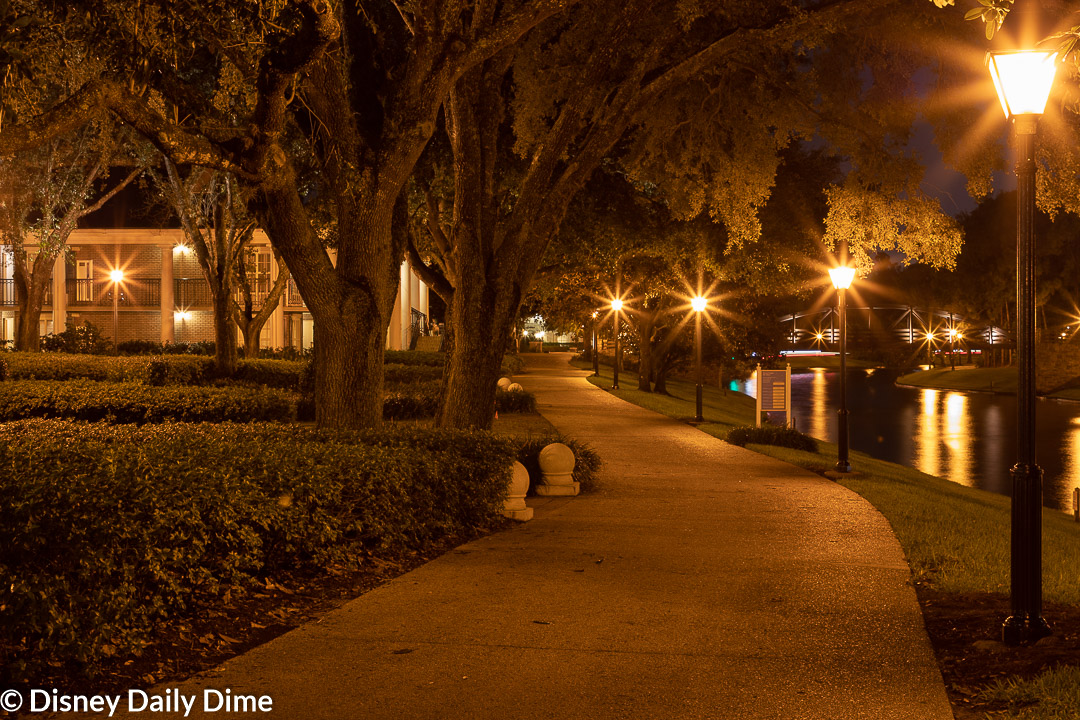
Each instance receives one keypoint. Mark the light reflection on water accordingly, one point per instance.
(966, 438)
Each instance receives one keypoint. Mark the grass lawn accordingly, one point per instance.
(1002, 380)
(998, 380)
(955, 538)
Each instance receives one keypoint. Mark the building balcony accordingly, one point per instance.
(8, 298)
(132, 292)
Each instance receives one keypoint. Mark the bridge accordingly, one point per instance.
(891, 325)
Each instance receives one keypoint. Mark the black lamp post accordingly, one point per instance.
(841, 278)
(698, 304)
(616, 306)
(117, 277)
(595, 348)
(1023, 80)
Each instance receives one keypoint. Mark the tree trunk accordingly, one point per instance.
(30, 287)
(28, 321)
(349, 355)
(224, 335)
(251, 339)
(645, 359)
(473, 358)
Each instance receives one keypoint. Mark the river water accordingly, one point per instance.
(968, 438)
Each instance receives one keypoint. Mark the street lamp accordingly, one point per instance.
(1023, 80)
(841, 279)
(952, 349)
(595, 348)
(117, 277)
(616, 306)
(698, 304)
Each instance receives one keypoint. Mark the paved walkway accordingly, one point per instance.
(701, 581)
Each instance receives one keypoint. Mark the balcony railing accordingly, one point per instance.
(132, 292)
(8, 298)
(292, 296)
(192, 292)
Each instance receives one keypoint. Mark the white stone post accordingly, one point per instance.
(514, 507)
(557, 470)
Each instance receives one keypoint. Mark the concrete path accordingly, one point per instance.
(701, 581)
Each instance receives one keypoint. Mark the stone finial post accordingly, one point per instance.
(557, 469)
(514, 507)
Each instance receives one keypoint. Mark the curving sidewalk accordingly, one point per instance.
(701, 581)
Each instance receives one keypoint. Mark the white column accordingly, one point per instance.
(277, 320)
(168, 301)
(404, 305)
(59, 294)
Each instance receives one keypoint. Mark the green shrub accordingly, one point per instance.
(415, 357)
(512, 364)
(285, 374)
(3, 369)
(107, 531)
(85, 339)
(139, 347)
(520, 401)
(771, 435)
(408, 401)
(587, 462)
(136, 403)
(399, 373)
(64, 366)
(179, 370)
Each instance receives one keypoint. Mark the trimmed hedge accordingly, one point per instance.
(414, 357)
(153, 369)
(134, 403)
(66, 366)
(107, 531)
(587, 462)
(771, 435)
(520, 401)
(401, 373)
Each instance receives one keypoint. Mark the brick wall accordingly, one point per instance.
(198, 327)
(1055, 365)
(138, 324)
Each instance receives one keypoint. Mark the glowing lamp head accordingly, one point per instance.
(698, 303)
(820, 336)
(116, 276)
(952, 333)
(929, 336)
(842, 277)
(1023, 79)
(616, 304)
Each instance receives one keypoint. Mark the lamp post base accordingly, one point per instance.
(843, 466)
(1021, 630)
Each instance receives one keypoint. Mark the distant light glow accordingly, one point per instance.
(820, 336)
(116, 276)
(842, 277)
(181, 315)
